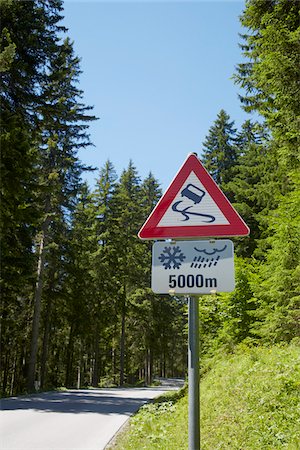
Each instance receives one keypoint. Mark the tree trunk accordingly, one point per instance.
(36, 313)
(114, 357)
(5, 374)
(95, 378)
(12, 382)
(46, 340)
(148, 367)
(114, 364)
(122, 342)
(79, 364)
(78, 376)
(70, 351)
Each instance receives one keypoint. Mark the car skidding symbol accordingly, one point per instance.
(194, 194)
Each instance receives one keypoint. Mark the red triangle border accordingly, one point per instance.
(236, 226)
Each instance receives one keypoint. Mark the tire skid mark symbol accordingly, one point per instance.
(194, 194)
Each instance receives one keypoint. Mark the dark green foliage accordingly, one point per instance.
(43, 124)
(220, 151)
(76, 307)
(31, 30)
(270, 77)
(115, 330)
(272, 89)
(63, 123)
(18, 213)
(263, 184)
(277, 286)
(257, 182)
(227, 319)
(8, 51)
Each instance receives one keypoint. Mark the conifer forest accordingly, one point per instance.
(76, 305)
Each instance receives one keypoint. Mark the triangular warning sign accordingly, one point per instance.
(193, 206)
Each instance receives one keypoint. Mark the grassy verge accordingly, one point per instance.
(249, 401)
(158, 425)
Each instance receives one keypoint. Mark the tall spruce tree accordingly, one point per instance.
(256, 179)
(270, 78)
(31, 30)
(102, 270)
(63, 121)
(143, 340)
(125, 223)
(28, 35)
(82, 297)
(270, 75)
(276, 286)
(220, 152)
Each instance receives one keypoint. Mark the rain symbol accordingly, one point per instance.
(209, 260)
(201, 262)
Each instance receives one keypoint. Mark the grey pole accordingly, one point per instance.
(193, 374)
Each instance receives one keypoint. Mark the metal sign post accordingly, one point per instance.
(193, 268)
(193, 374)
(193, 206)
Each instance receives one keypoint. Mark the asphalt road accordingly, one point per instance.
(85, 419)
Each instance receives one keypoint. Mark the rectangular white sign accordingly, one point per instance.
(193, 267)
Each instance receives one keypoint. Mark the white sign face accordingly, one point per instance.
(193, 206)
(193, 267)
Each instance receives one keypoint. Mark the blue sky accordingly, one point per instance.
(157, 74)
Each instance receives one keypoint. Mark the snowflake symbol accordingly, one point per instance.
(173, 255)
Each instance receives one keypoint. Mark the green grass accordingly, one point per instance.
(154, 424)
(249, 401)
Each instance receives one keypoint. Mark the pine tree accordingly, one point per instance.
(270, 76)
(102, 269)
(125, 224)
(28, 35)
(151, 193)
(220, 152)
(80, 285)
(277, 282)
(270, 81)
(29, 32)
(39, 90)
(8, 51)
(63, 122)
(143, 341)
(256, 180)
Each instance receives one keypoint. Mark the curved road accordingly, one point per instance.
(85, 419)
